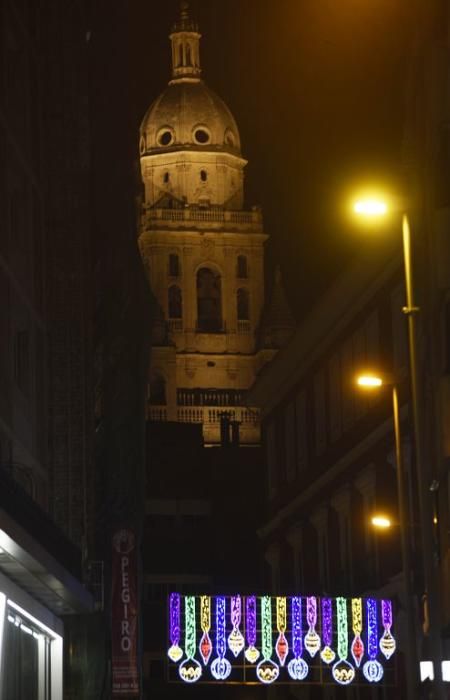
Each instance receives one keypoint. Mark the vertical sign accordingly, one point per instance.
(125, 677)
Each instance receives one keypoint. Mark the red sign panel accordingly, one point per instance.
(125, 677)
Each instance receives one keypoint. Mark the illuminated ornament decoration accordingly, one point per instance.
(220, 667)
(175, 652)
(372, 669)
(297, 667)
(267, 671)
(327, 654)
(205, 646)
(281, 646)
(343, 672)
(312, 639)
(387, 641)
(357, 647)
(190, 670)
(236, 641)
(251, 653)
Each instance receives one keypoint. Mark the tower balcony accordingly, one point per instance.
(196, 217)
(197, 406)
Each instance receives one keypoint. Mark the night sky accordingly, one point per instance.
(317, 88)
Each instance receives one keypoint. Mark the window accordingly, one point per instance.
(174, 265)
(209, 301)
(157, 390)
(399, 328)
(289, 434)
(302, 441)
(22, 361)
(320, 412)
(201, 136)
(166, 177)
(271, 452)
(203, 175)
(242, 271)
(175, 302)
(242, 305)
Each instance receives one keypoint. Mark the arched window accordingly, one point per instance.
(157, 390)
(203, 175)
(180, 55)
(188, 56)
(166, 177)
(174, 265)
(242, 271)
(175, 302)
(242, 305)
(209, 301)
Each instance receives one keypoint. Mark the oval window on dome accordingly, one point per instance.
(142, 145)
(165, 137)
(229, 138)
(201, 135)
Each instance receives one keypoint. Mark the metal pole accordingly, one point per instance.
(411, 659)
(423, 479)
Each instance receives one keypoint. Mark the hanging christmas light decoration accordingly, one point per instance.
(357, 647)
(327, 654)
(190, 670)
(220, 667)
(251, 653)
(236, 641)
(387, 641)
(287, 618)
(281, 646)
(343, 672)
(267, 671)
(205, 646)
(372, 669)
(175, 652)
(297, 667)
(312, 639)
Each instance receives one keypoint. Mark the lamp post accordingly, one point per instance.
(375, 207)
(372, 382)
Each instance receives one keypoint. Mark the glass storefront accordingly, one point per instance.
(31, 655)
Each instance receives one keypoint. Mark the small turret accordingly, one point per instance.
(185, 39)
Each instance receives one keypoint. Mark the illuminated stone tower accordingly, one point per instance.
(203, 252)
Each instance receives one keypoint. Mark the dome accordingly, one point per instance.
(189, 115)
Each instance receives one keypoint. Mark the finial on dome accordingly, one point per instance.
(185, 40)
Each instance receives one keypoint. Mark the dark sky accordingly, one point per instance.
(317, 89)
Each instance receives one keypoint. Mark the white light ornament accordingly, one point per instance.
(266, 671)
(387, 642)
(372, 669)
(220, 667)
(297, 667)
(343, 672)
(190, 670)
(236, 641)
(312, 639)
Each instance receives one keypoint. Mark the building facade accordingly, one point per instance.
(203, 251)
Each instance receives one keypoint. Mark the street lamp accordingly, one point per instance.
(372, 208)
(372, 382)
(381, 522)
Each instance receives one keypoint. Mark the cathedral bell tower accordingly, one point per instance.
(202, 249)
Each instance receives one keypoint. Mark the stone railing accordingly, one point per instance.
(175, 325)
(206, 414)
(209, 397)
(190, 216)
(243, 327)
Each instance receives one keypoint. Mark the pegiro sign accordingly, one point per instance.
(125, 679)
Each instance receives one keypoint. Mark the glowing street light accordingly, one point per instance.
(369, 381)
(381, 522)
(370, 207)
